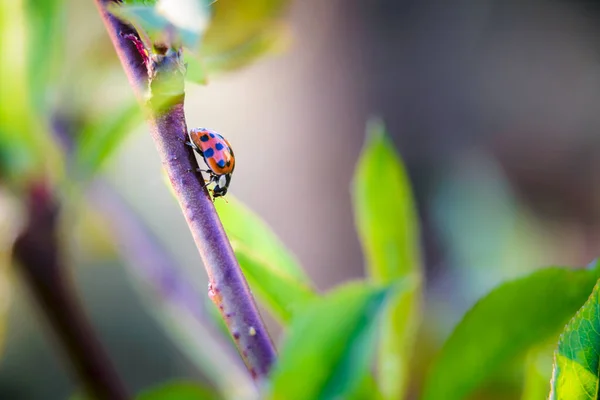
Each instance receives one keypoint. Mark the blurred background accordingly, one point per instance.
(494, 106)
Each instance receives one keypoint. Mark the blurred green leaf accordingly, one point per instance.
(179, 390)
(45, 25)
(505, 324)
(24, 138)
(575, 374)
(272, 271)
(387, 224)
(246, 228)
(241, 31)
(366, 390)
(236, 34)
(280, 292)
(385, 212)
(185, 18)
(329, 346)
(101, 138)
(538, 370)
(139, 2)
(80, 395)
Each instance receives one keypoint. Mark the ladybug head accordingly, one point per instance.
(222, 185)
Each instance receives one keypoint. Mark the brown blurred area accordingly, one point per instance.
(494, 106)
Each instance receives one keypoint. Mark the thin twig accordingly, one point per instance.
(37, 253)
(228, 287)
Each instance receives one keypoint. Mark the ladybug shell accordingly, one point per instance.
(215, 150)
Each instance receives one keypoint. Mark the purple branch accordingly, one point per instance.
(228, 287)
(36, 251)
(176, 297)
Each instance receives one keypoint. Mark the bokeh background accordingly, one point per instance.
(494, 106)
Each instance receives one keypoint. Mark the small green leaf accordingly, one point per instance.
(280, 292)
(241, 32)
(179, 390)
(160, 20)
(144, 18)
(384, 208)
(101, 138)
(191, 17)
(246, 228)
(505, 324)
(575, 373)
(329, 346)
(388, 228)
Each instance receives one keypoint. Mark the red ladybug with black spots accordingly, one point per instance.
(218, 156)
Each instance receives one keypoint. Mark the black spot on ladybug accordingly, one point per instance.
(212, 135)
(204, 138)
(221, 163)
(219, 146)
(208, 153)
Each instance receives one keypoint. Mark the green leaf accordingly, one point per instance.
(329, 346)
(242, 31)
(26, 146)
(140, 2)
(186, 18)
(179, 390)
(505, 324)
(388, 228)
(538, 371)
(385, 212)
(280, 292)
(246, 228)
(100, 139)
(575, 373)
(46, 25)
(272, 271)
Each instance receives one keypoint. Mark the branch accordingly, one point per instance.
(164, 107)
(36, 251)
(175, 296)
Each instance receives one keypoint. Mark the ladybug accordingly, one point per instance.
(218, 156)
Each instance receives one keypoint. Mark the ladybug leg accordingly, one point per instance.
(206, 181)
(212, 194)
(193, 146)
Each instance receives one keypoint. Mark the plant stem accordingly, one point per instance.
(174, 298)
(37, 252)
(165, 113)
